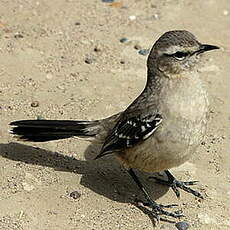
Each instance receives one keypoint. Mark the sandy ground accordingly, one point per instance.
(44, 47)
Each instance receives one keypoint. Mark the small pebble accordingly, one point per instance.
(143, 52)
(77, 24)
(132, 17)
(27, 187)
(123, 40)
(21, 214)
(109, 1)
(34, 104)
(117, 4)
(122, 62)
(182, 225)
(17, 35)
(39, 117)
(75, 195)
(225, 12)
(89, 60)
(49, 76)
(137, 47)
(156, 16)
(97, 49)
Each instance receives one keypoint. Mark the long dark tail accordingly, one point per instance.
(47, 130)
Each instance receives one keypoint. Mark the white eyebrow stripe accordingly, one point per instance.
(171, 50)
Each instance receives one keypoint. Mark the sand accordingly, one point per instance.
(63, 59)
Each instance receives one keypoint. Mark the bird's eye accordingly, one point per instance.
(180, 55)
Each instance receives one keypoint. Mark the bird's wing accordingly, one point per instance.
(130, 131)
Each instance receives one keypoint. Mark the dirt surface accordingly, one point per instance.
(62, 59)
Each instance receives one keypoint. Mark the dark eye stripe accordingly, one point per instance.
(178, 54)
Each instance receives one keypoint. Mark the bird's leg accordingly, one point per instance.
(175, 184)
(157, 209)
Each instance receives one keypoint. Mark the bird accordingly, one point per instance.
(159, 130)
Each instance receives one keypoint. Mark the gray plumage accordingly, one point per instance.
(162, 128)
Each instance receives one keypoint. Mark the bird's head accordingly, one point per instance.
(176, 52)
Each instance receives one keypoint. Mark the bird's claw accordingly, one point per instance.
(175, 184)
(158, 209)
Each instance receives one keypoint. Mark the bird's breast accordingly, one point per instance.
(184, 111)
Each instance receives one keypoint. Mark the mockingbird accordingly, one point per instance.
(161, 128)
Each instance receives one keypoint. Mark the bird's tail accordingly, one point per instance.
(47, 130)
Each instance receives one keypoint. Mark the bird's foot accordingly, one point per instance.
(157, 210)
(175, 184)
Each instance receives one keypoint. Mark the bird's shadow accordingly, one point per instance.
(104, 176)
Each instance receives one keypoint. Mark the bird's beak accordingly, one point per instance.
(206, 47)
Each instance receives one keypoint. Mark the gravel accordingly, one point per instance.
(144, 52)
(183, 225)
